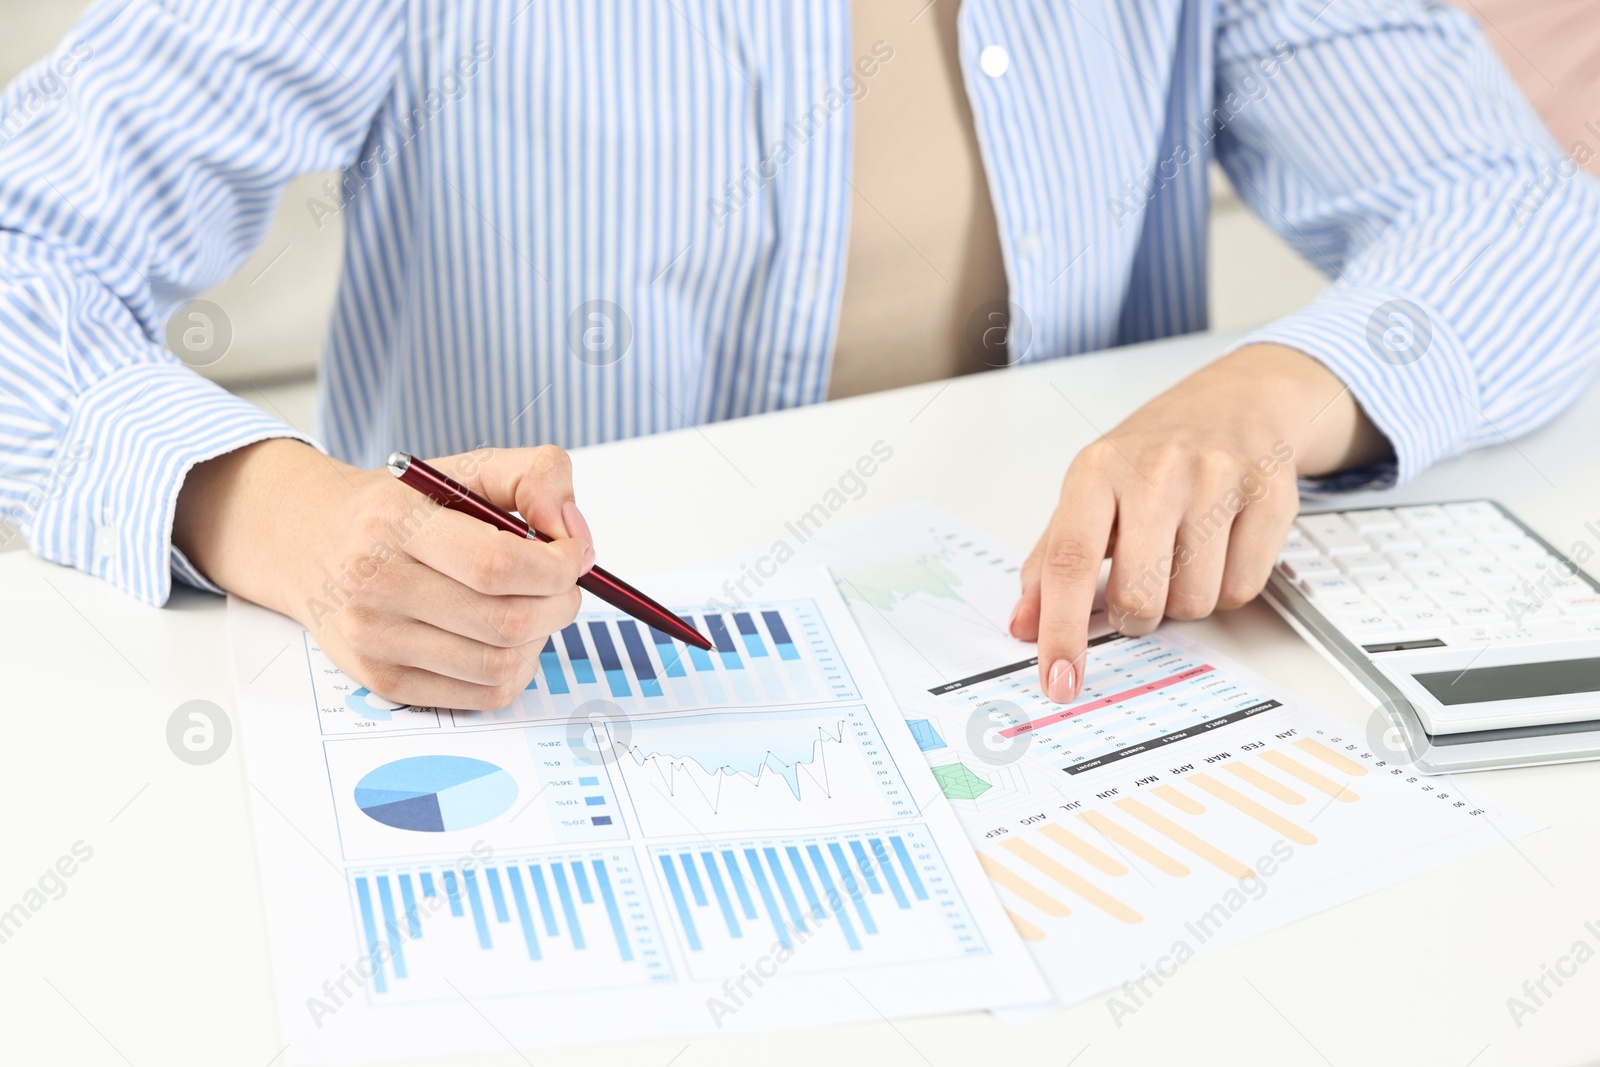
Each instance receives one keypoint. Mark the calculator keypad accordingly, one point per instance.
(1451, 574)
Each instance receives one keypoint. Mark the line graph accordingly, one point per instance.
(740, 771)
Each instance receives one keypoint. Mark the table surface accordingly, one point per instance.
(156, 952)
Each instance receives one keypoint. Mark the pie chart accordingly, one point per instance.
(436, 793)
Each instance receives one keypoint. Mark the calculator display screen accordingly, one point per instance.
(1513, 681)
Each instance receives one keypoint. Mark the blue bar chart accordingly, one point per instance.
(736, 771)
(517, 924)
(770, 654)
(853, 899)
(1141, 694)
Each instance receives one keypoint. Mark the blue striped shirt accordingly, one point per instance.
(511, 169)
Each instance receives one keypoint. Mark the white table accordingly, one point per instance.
(156, 953)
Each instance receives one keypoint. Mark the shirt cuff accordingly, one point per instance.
(1401, 362)
(132, 439)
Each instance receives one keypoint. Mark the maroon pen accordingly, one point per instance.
(450, 493)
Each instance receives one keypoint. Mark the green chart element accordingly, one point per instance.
(959, 783)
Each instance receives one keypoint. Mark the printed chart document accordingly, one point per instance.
(651, 840)
(1182, 803)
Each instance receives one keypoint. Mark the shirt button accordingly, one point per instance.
(105, 541)
(994, 61)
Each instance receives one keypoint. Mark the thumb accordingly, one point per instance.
(536, 482)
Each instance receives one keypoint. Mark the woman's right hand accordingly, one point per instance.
(420, 604)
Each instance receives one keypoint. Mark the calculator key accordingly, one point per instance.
(1313, 565)
(1364, 563)
(1468, 552)
(1435, 577)
(1478, 614)
(1452, 596)
(1580, 606)
(1494, 532)
(1423, 515)
(1422, 619)
(1492, 576)
(1370, 583)
(1394, 540)
(1297, 546)
(1408, 599)
(1441, 537)
(1364, 625)
(1412, 559)
(1376, 519)
(1473, 511)
(1520, 551)
(1332, 534)
(1340, 607)
(1318, 587)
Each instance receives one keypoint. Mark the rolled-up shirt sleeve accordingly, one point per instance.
(140, 165)
(1386, 142)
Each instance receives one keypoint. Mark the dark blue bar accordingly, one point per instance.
(683, 905)
(887, 867)
(643, 669)
(724, 642)
(912, 876)
(550, 667)
(496, 895)
(369, 926)
(698, 656)
(409, 899)
(427, 884)
(780, 635)
(864, 866)
(581, 876)
(454, 894)
(852, 884)
(392, 925)
(722, 893)
(806, 887)
(789, 902)
(479, 919)
(752, 637)
(520, 899)
(766, 898)
(619, 931)
(845, 925)
(559, 870)
(536, 876)
(615, 677)
(670, 658)
(739, 887)
(582, 669)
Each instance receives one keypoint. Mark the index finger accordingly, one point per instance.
(1068, 574)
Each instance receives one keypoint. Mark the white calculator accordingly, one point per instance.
(1475, 636)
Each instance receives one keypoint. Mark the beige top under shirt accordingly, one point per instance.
(924, 254)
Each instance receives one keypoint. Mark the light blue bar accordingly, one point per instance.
(550, 665)
(618, 681)
(520, 899)
(887, 867)
(722, 894)
(912, 876)
(796, 916)
(594, 802)
(369, 926)
(852, 883)
(799, 865)
(864, 866)
(603, 880)
(718, 628)
(392, 925)
(846, 927)
(559, 870)
(696, 887)
(577, 655)
(671, 659)
(581, 876)
(765, 889)
(676, 888)
(752, 637)
(739, 887)
(536, 876)
(409, 899)
(698, 656)
(454, 893)
(780, 635)
(479, 919)
(427, 884)
(496, 895)
(588, 779)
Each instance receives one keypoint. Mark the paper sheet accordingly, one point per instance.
(651, 840)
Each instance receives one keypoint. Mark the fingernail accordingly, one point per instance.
(1061, 681)
(1011, 626)
(577, 525)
